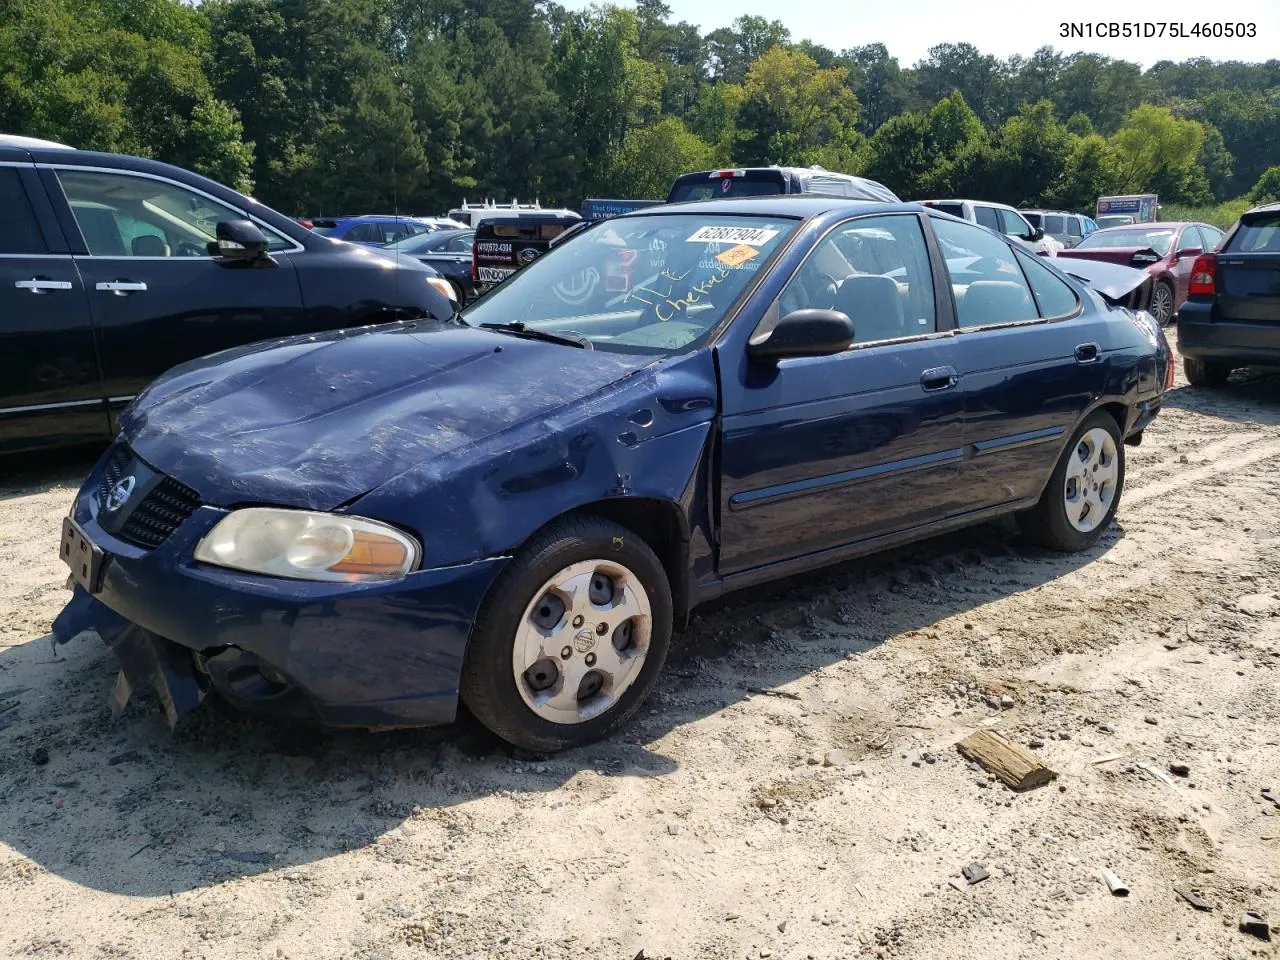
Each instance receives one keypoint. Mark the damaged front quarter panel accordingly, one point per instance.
(645, 437)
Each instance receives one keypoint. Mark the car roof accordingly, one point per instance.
(1156, 225)
(30, 143)
(796, 205)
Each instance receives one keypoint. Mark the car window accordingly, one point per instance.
(1212, 238)
(1012, 225)
(1190, 239)
(987, 216)
(987, 283)
(955, 209)
(1054, 223)
(638, 284)
(364, 233)
(21, 233)
(1035, 219)
(1160, 240)
(128, 216)
(1258, 234)
(460, 244)
(876, 271)
(1054, 295)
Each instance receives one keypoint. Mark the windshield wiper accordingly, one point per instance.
(520, 329)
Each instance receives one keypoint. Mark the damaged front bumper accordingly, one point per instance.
(345, 654)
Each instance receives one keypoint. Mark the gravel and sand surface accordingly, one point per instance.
(721, 824)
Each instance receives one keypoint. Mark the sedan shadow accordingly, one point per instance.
(123, 805)
(1251, 395)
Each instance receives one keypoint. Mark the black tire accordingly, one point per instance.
(1162, 293)
(459, 293)
(488, 686)
(1047, 523)
(1206, 373)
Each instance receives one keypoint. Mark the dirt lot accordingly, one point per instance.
(713, 826)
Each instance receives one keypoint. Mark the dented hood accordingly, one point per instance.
(1115, 282)
(317, 421)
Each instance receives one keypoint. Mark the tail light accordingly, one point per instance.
(1168, 371)
(1204, 276)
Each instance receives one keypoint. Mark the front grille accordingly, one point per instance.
(113, 471)
(147, 522)
(165, 508)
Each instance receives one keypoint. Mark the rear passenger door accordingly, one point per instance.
(825, 451)
(50, 385)
(1030, 361)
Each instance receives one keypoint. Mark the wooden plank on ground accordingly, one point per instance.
(1014, 764)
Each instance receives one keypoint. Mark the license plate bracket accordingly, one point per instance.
(82, 555)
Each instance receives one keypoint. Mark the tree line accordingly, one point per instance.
(331, 106)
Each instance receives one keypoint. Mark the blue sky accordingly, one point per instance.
(1002, 27)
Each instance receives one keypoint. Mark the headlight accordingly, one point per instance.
(309, 546)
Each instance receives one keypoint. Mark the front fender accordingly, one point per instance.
(646, 438)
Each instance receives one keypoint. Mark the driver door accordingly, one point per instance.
(156, 296)
(820, 452)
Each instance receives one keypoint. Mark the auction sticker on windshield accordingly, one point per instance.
(754, 236)
(736, 256)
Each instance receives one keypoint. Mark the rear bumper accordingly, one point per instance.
(355, 655)
(1203, 338)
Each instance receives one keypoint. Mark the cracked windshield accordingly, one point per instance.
(639, 284)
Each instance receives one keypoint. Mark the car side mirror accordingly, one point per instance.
(1189, 252)
(242, 241)
(1037, 233)
(803, 333)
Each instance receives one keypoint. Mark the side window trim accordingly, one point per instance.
(49, 176)
(47, 225)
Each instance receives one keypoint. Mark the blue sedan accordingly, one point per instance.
(516, 508)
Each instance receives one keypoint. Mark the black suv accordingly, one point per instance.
(1231, 317)
(113, 269)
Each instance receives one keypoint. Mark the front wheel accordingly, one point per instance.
(1162, 303)
(572, 637)
(1205, 373)
(1081, 498)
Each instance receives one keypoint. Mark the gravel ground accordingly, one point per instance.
(720, 824)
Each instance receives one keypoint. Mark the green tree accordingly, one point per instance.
(1089, 173)
(1267, 189)
(652, 157)
(793, 110)
(1157, 152)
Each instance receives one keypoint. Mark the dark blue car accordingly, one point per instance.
(517, 507)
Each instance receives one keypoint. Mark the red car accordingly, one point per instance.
(1167, 251)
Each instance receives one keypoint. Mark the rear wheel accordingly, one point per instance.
(1162, 303)
(458, 292)
(1081, 498)
(572, 637)
(1206, 373)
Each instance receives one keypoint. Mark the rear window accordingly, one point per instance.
(522, 230)
(1053, 223)
(1161, 241)
(1260, 235)
(324, 227)
(955, 209)
(1033, 218)
(702, 186)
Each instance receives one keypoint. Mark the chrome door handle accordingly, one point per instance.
(42, 286)
(121, 287)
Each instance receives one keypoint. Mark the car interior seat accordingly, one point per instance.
(149, 245)
(874, 304)
(996, 301)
